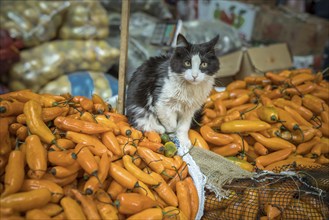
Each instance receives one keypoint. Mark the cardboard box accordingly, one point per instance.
(234, 13)
(305, 34)
(253, 61)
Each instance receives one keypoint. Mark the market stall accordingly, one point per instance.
(68, 150)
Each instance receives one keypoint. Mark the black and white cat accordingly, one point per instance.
(165, 92)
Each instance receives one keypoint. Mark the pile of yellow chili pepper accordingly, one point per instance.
(273, 122)
(70, 157)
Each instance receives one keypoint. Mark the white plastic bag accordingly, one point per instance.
(83, 83)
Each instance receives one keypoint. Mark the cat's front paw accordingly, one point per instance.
(169, 129)
(152, 126)
(159, 129)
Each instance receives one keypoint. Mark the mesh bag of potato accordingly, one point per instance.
(32, 21)
(85, 20)
(45, 62)
(36, 22)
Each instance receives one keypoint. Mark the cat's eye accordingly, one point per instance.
(204, 65)
(187, 63)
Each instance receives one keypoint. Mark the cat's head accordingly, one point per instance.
(195, 62)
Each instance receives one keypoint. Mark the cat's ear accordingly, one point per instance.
(181, 41)
(211, 44)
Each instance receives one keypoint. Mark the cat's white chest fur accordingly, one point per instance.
(181, 96)
(178, 101)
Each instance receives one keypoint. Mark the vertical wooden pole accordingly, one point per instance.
(125, 12)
